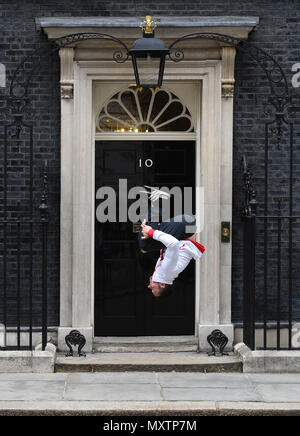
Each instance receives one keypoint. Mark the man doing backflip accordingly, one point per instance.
(178, 249)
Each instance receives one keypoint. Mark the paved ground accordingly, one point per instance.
(149, 392)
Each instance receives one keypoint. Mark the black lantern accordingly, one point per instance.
(148, 57)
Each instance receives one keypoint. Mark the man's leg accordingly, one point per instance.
(181, 227)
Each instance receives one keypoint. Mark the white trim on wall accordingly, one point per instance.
(78, 151)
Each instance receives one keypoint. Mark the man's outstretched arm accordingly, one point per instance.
(168, 240)
(170, 259)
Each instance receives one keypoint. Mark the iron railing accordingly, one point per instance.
(23, 270)
(271, 274)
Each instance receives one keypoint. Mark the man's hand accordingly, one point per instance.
(145, 230)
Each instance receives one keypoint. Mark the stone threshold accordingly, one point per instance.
(151, 408)
(142, 344)
(181, 362)
(189, 339)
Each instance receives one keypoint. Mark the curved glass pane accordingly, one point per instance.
(161, 99)
(144, 111)
(171, 111)
(178, 125)
(144, 98)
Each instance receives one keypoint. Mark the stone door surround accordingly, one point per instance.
(207, 62)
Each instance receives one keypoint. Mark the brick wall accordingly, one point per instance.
(278, 33)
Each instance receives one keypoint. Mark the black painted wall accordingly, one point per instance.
(278, 33)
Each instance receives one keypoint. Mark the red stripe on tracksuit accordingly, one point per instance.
(199, 246)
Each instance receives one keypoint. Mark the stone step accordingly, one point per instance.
(181, 362)
(142, 344)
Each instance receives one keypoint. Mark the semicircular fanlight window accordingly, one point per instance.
(149, 110)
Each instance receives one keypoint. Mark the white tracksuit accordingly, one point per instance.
(175, 257)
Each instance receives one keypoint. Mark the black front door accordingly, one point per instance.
(124, 306)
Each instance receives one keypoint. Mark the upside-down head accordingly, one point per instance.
(159, 290)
